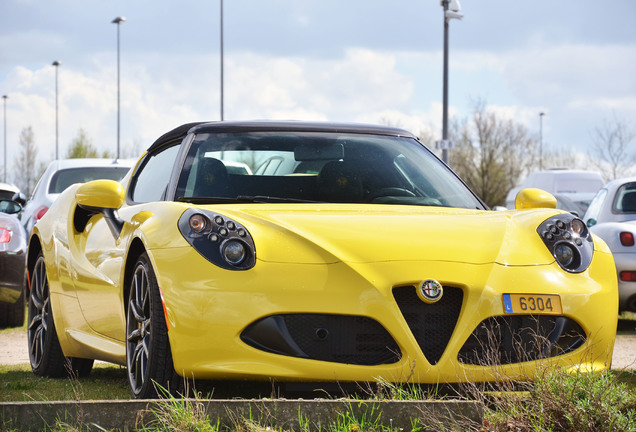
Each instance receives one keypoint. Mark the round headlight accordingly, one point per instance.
(569, 241)
(198, 223)
(234, 252)
(564, 254)
(578, 226)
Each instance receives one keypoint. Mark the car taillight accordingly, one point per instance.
(628, 276)
(627, 238)
(41, 212)
(5, 235)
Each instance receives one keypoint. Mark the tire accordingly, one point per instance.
(148, 354)
(45, 354)
(12, 314)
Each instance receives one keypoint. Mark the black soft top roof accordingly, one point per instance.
(275, 126)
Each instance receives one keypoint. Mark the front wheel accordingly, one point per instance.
(45, 354)
(148, 355)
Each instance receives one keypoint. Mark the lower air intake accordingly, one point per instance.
(333, 338)
(520, 338)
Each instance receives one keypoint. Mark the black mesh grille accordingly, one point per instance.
(342, 339)
(432, 324)
(334, 338)
(519, 338)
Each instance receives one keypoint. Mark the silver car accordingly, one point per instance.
(612, 216)
(62, 173)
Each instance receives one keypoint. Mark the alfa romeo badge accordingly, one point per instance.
(430, 291)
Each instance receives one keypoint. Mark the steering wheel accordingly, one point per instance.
(390, 191)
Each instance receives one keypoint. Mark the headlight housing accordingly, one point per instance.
(221, 240)
(569, 242)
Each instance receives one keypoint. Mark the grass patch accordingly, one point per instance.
(18, 384)
(557, 401)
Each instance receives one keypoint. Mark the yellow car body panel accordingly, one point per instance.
(316, 258)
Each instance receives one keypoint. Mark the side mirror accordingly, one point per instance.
(102, 196)
(532, 198)
(20, 198)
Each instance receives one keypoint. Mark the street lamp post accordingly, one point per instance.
(118, 21)
(222, 114)
(451, 11)
(56, 64)
(541, 114)
(4, 171)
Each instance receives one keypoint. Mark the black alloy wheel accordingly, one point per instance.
(45, 354)
(148, 355)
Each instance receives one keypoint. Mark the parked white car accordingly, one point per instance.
(612, 216)
(577, 185)
(61, 174)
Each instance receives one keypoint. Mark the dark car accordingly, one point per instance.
(12, 262)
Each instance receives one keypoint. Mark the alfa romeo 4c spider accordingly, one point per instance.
(312, 252)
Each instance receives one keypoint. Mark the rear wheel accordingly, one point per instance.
(148, 355)
(45, 353)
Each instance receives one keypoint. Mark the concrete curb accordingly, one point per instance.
(276, 413)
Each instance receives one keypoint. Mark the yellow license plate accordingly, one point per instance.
(532, 303)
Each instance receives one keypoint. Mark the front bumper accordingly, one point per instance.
(209, 310)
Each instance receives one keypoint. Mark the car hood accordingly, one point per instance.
(377, 233)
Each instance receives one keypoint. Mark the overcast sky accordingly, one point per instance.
(349, 60)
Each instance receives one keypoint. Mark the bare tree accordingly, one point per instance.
(491, 153)
(611, 152)
(25, 173)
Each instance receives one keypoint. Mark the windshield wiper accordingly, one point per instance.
(271, 199)
(242, 199)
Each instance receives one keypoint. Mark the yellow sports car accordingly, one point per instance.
(311, 252)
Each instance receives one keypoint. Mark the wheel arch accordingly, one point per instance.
(35, 247)
(136, 249)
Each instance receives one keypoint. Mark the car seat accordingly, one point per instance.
(212, 179)
(339, 182)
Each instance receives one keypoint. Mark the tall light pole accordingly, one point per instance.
(4, 171)
(56, 64)
(451, 11)
(118, 21)
(222, 114)
(541, 114)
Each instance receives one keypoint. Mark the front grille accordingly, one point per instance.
(432, 324)
(519, 338)
(334, 338)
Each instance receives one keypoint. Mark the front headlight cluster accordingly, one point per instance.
(569, 241)
(222, 241)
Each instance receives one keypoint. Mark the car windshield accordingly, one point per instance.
(66, 177)
(318, 167)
